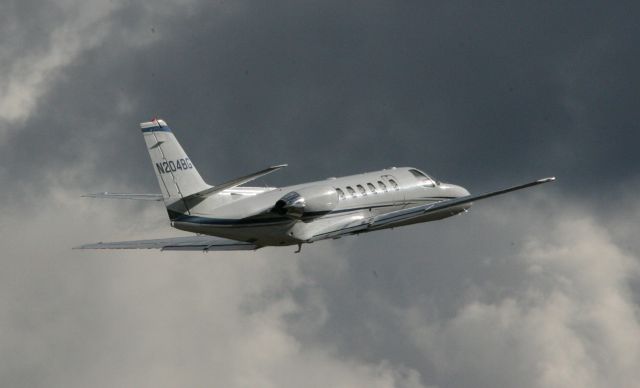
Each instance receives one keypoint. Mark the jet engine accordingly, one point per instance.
(316, 200)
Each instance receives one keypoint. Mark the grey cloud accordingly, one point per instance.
(573, 323)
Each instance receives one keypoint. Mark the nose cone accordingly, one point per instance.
(459, 191)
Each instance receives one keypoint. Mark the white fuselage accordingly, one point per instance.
(250, 216)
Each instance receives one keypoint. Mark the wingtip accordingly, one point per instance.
(97, 245)
(93, 195)
(545, 180)
(280, 165)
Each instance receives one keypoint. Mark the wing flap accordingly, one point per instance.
(187, 243)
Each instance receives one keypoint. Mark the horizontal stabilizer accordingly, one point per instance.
(137, 197)
(233, 183)
(187, 243)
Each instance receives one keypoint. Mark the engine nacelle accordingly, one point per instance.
(316, 200)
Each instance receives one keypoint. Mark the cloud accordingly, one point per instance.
(572, 321)
(27, 76)
(376, 86)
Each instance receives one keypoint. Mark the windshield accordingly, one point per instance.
(423, 178)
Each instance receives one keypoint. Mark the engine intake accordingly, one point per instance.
(313, 201)
(291, 205)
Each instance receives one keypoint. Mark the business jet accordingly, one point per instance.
(230, 216)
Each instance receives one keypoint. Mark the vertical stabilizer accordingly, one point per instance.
(176, 173)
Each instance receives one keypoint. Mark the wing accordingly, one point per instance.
(138, 197)
(387, 220)
(187, 243)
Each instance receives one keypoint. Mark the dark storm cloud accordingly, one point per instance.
(458, 89)
(483, 95)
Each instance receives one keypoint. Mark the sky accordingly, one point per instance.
(539, 288)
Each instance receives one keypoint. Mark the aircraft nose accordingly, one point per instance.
(459, 191)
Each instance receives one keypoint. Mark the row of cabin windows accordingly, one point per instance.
(363, 192)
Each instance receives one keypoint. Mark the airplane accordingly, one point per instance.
(229, 216)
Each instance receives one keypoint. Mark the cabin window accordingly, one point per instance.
(372, 188)
(393, 184)
(340, 194)
(382, 186)
(351, 191)
(362, 190)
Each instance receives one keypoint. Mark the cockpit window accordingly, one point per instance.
(362, 190)
(372, 188)
(424, 179)
(340, 193)
(351, 191)
(394, 184)
(382, 186)
(417, 174)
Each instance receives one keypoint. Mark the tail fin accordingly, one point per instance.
(176, 173)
